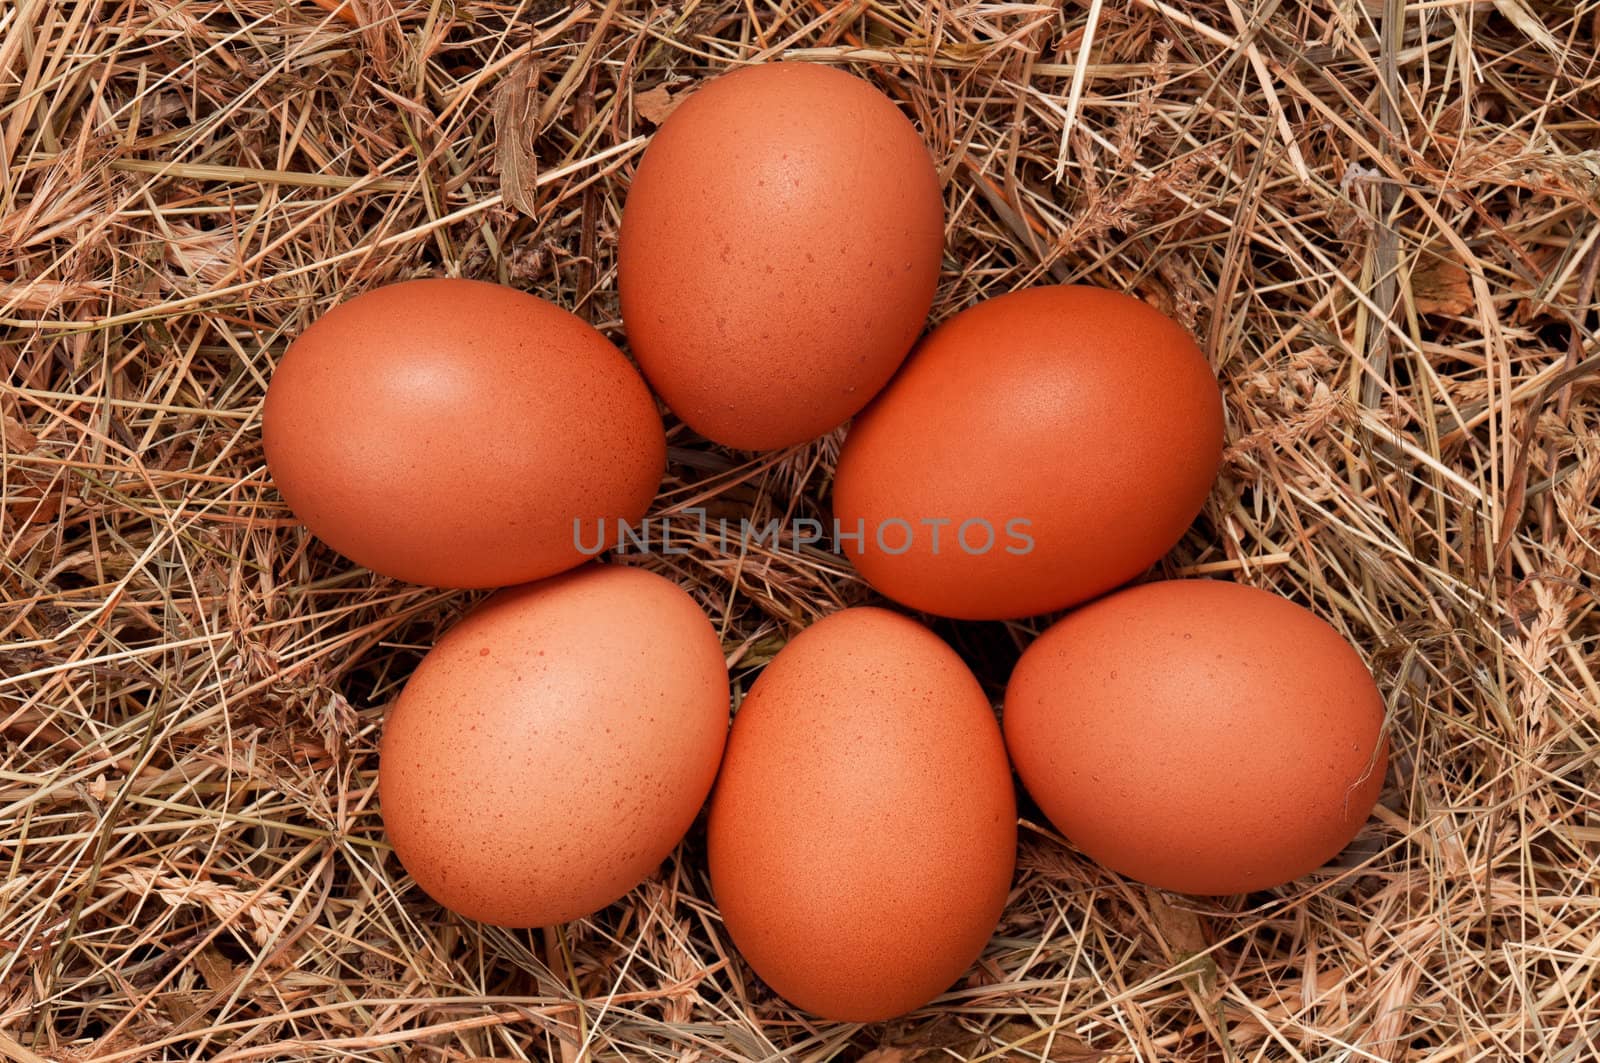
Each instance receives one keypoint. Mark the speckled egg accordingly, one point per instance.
(779, 251)
(1035, 451)
(862, 834)
(461, 434)
(554, 746)
(1201, 736)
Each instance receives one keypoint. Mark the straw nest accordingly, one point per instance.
(1381, 217)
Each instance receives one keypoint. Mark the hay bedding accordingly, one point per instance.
(1381, 218)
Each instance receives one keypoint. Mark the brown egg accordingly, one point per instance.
(1200, 736)
(863, 830)
(779, 250)
(452, 432)
(554, 746)
(1036, 450)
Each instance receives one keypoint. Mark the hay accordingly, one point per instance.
(1381, 217)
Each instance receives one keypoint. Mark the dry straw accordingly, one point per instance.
(1382, 218)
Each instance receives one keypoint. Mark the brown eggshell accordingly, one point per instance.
(863, 830)
(1084, 413)
(779, 250)
(554, 746)
(450, 432)
(1200, 736)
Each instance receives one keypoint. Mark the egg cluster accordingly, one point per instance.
(778, 256)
